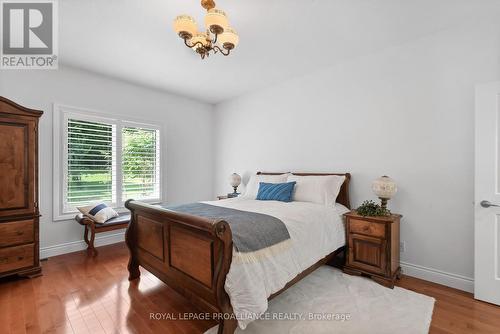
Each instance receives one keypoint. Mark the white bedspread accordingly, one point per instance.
(315, 231)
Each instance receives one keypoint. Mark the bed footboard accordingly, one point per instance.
(191, 254)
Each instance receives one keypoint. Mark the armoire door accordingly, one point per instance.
(17, 166)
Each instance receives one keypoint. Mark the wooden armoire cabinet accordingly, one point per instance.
(19, 214)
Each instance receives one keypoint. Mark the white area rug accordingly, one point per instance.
(327, 292)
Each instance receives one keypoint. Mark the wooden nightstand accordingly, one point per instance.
(373, 247)
(227, 196)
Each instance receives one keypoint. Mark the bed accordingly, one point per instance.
(194, 254)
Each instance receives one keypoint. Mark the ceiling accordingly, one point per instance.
(133, 40)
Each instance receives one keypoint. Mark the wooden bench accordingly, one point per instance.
(116, 223)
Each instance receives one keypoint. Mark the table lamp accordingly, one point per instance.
(235, 181)
(384, 187)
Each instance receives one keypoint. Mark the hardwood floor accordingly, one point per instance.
(456, 311)
(78, 294)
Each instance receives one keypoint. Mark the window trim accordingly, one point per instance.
(61, 113)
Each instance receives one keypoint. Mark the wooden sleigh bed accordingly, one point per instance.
(193, 254)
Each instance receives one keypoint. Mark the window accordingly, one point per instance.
(90, 161)
(140, 163)
(103, 159)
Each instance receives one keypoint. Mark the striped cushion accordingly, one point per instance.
(98, 212)
(275, 191)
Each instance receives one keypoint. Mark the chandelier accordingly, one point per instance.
(218, 38)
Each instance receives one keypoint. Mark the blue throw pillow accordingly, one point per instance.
(275, 191)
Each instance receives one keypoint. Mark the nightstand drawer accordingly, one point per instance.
(367, 228)
(16, 233)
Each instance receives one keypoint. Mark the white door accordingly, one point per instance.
(487, 194)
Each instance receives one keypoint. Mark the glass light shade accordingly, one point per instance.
(235, 180)
(185, 24)
(229, 39)
(198, 37)
(384, 187)
(216, 21)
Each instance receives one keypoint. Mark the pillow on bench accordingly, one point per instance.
(98, 212)
(122, 219)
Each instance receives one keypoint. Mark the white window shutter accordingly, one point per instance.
(140, 163)
(89, 166)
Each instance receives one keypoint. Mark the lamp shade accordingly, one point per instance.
(185, 26)
(229, 39)
(235, 180)
(198, 37)
(384, 187)
(216, 21)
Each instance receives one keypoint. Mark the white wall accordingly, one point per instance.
(407, 112)
(188, 124)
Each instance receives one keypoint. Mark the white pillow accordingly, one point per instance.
(321, 189)
(253, 184)
(98, 212)
(341, 210)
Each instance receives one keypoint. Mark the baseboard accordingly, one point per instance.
(437, 276)
(75, 246)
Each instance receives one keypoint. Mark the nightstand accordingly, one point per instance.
(373, 247)
(227, 196)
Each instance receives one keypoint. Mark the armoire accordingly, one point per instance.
(19, 213)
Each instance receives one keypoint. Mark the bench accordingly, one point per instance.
(116, 223)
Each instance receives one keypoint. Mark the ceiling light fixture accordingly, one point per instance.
(219, 37)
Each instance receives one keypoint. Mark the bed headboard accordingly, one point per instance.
(342, 198)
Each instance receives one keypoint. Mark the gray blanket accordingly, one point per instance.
(251, 231)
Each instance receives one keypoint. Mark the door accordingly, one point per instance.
(487, 194)
(17, 158)
(367, 253)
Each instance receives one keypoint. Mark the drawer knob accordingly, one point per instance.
(366, 228)
(19, 232)
(19, 258)
(4, 259)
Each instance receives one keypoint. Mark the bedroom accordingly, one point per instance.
(369, 88)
